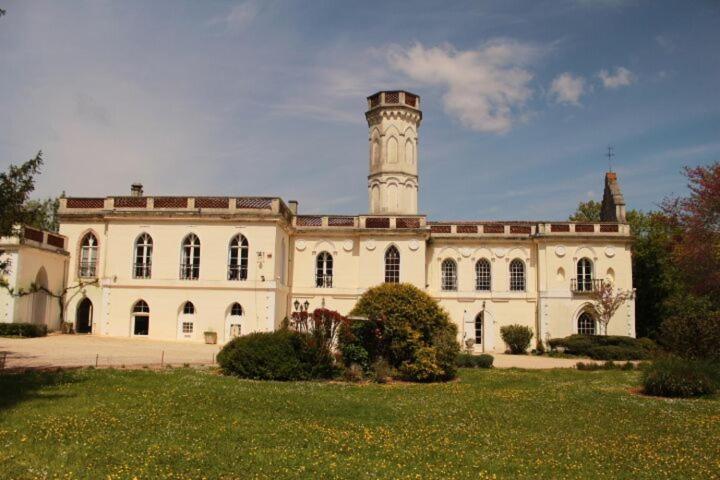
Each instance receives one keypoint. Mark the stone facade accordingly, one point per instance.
(241, 263)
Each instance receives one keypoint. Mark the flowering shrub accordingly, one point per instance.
(675, 377)
(407, 328)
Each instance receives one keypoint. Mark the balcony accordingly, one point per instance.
(323, 281)
(584, 286)
(237, 272)
(87, 269)
(141, 270)
(189, 271)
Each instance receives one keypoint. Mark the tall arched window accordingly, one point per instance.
(517, 275)
(143, 256)
(190, 262)
(448, 270)
(392, 265)
(141, 318)
(479, 328)
(584, 275)
(238, 258)
(324, 270)
(586, 324)
(88, 256)
(482, 275)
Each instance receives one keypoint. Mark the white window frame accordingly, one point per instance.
(518, 276)
(448, 275)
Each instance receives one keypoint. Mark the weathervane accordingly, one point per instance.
(610, 154)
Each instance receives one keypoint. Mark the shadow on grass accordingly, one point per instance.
(27, 385)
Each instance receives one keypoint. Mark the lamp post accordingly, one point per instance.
(301, 307)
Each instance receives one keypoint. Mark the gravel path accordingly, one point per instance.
(89, 350)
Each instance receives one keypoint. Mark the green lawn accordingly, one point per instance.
(184, 423)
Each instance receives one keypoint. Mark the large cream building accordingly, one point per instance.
(174, 267)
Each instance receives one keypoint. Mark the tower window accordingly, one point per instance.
(482, 275)
(324, 270)
(448, 271)
(392, 265)
(517, 275)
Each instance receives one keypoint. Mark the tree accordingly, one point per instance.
(42, 214)
(15, 187)
(587, 212)
(696, 220)
(607, 301)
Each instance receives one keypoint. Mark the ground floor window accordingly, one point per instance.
(586, 324)
(478, 328)
(141, 317)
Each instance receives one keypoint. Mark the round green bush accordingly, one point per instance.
(279, 355)
(675, 377)
(406, 327)
(517, 338)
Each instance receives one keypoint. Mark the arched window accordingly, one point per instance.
(586, 324)
(324, 270)
(189, 308)
(238, 258)
(479, 328)
(392, 265)
(448, 270)
(482, 275)
(141, 318)
(517, 275)
(143, 256)
(236, 310)
(88, 256)
(584, 275)
(190, 262)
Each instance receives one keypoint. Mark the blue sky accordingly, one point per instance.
(520, 99)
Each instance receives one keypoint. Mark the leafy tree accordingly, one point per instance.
(696, 219)
(15, 187)
(42, 214)
(587, 212)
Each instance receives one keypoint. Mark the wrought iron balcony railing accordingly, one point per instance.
(585, 285)
(87, 269)
(237, 272)
(189, 271)
(141, 270)
(323, 281)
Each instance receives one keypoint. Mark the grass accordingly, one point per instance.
(183, 423)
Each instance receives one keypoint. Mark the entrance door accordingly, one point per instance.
(83, 318)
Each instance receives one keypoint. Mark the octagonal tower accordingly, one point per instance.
(393, 119)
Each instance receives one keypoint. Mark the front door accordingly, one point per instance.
(83, 318)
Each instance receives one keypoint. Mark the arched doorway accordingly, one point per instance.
(479, 326)
(40, 298)
(83, 316)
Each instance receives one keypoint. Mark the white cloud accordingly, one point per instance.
(486, 88)
(238, 17)
(567, 88)
(621, 78)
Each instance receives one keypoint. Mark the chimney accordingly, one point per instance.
(613, 203)
(136, 190)
(293, 204)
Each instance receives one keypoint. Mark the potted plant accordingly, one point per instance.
(210, 336)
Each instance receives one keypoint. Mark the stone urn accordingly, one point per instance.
(211, 338)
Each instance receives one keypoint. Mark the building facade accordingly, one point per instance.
(35, 259)
(176, 267)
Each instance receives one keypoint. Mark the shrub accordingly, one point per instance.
(22, 330)
(606, 347)
(353, 373)
(676, 377)
(609, 365)
(693, 335)
(407, 328)
(517, 338)
(466, 360)
(279, 355)
(381, 370)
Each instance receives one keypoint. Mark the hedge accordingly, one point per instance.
(676, 377)
(22, 330)
(606, 347)
(467, 360)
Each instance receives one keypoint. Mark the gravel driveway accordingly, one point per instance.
(89, 350)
